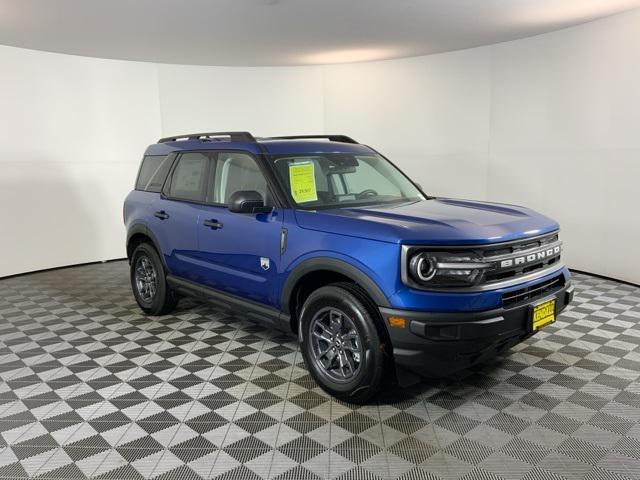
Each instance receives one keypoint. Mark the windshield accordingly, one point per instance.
(336, 180)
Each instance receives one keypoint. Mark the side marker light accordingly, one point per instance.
(397, 322)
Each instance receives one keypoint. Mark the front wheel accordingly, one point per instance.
(340, 343)
(148, 281)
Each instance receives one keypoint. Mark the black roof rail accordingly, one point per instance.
(233, 136)
(332, 138)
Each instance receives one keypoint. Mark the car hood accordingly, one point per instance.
(435, 221)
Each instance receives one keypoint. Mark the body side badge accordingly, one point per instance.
(264, 263)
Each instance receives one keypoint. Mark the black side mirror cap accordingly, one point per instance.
(247, 201)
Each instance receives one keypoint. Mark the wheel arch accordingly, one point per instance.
(138, 234)
(321, 271)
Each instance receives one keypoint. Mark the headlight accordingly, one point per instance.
(445, 269)
(422, 267)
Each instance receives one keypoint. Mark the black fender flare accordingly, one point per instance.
(141, 228)
(332, 265)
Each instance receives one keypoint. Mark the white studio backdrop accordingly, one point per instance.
(71, 130)
(550, 122)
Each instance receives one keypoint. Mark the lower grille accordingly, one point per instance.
(532, 292)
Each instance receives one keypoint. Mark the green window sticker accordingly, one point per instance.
(303, 182)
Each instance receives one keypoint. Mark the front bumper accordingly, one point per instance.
(437, 344)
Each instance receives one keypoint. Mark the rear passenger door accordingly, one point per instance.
(241, 252)
(176, 213)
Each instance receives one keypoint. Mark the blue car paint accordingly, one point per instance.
(432, 222)
(368, 239)
(231, 257)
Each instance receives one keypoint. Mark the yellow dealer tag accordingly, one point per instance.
(303, 182)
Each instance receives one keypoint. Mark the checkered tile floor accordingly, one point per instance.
(90, 387)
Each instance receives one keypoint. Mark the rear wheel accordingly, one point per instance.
(341, 344)
(148, 281)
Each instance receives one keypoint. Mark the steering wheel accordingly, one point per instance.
(369, 192)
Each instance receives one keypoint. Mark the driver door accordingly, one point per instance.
(240, 253)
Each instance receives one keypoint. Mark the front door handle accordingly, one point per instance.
(213, 224)
(162, 215)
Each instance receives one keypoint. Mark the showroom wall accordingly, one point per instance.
(72, 131)
(565, 124)
(547, 121)
(262, 100)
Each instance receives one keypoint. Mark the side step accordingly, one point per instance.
(232, 303)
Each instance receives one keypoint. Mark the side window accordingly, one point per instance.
(188, 179)
(235, 172)
(153, 172)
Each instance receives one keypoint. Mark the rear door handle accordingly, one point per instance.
(213, 224)
(162, 215)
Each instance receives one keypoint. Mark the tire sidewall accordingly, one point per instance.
(150, 252)
(371, 360)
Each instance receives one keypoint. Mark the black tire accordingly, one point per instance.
(329, 302)
(163, 300)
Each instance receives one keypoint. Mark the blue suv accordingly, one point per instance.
(325, 237)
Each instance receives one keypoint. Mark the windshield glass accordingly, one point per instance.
(335, 180)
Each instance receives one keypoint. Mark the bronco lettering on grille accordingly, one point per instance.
(532, 257)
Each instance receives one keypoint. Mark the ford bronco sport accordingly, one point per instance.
(325, 237)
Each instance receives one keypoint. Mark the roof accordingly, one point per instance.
(245, 141)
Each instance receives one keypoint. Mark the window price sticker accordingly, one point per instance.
(303, 182)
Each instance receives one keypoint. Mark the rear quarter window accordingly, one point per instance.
(189, 177)
(153, 172)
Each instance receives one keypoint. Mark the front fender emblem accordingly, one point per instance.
(264, 263)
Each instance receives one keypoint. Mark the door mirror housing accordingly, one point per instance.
(247, 201)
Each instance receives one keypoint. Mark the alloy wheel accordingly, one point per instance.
(146, 279)
(335, 344)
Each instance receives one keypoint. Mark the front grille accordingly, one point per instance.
(532, 292)
(518, 250)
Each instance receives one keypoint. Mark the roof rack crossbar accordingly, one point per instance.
(233, 136)
(332, 138)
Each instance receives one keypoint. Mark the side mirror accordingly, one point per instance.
(247, 201)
